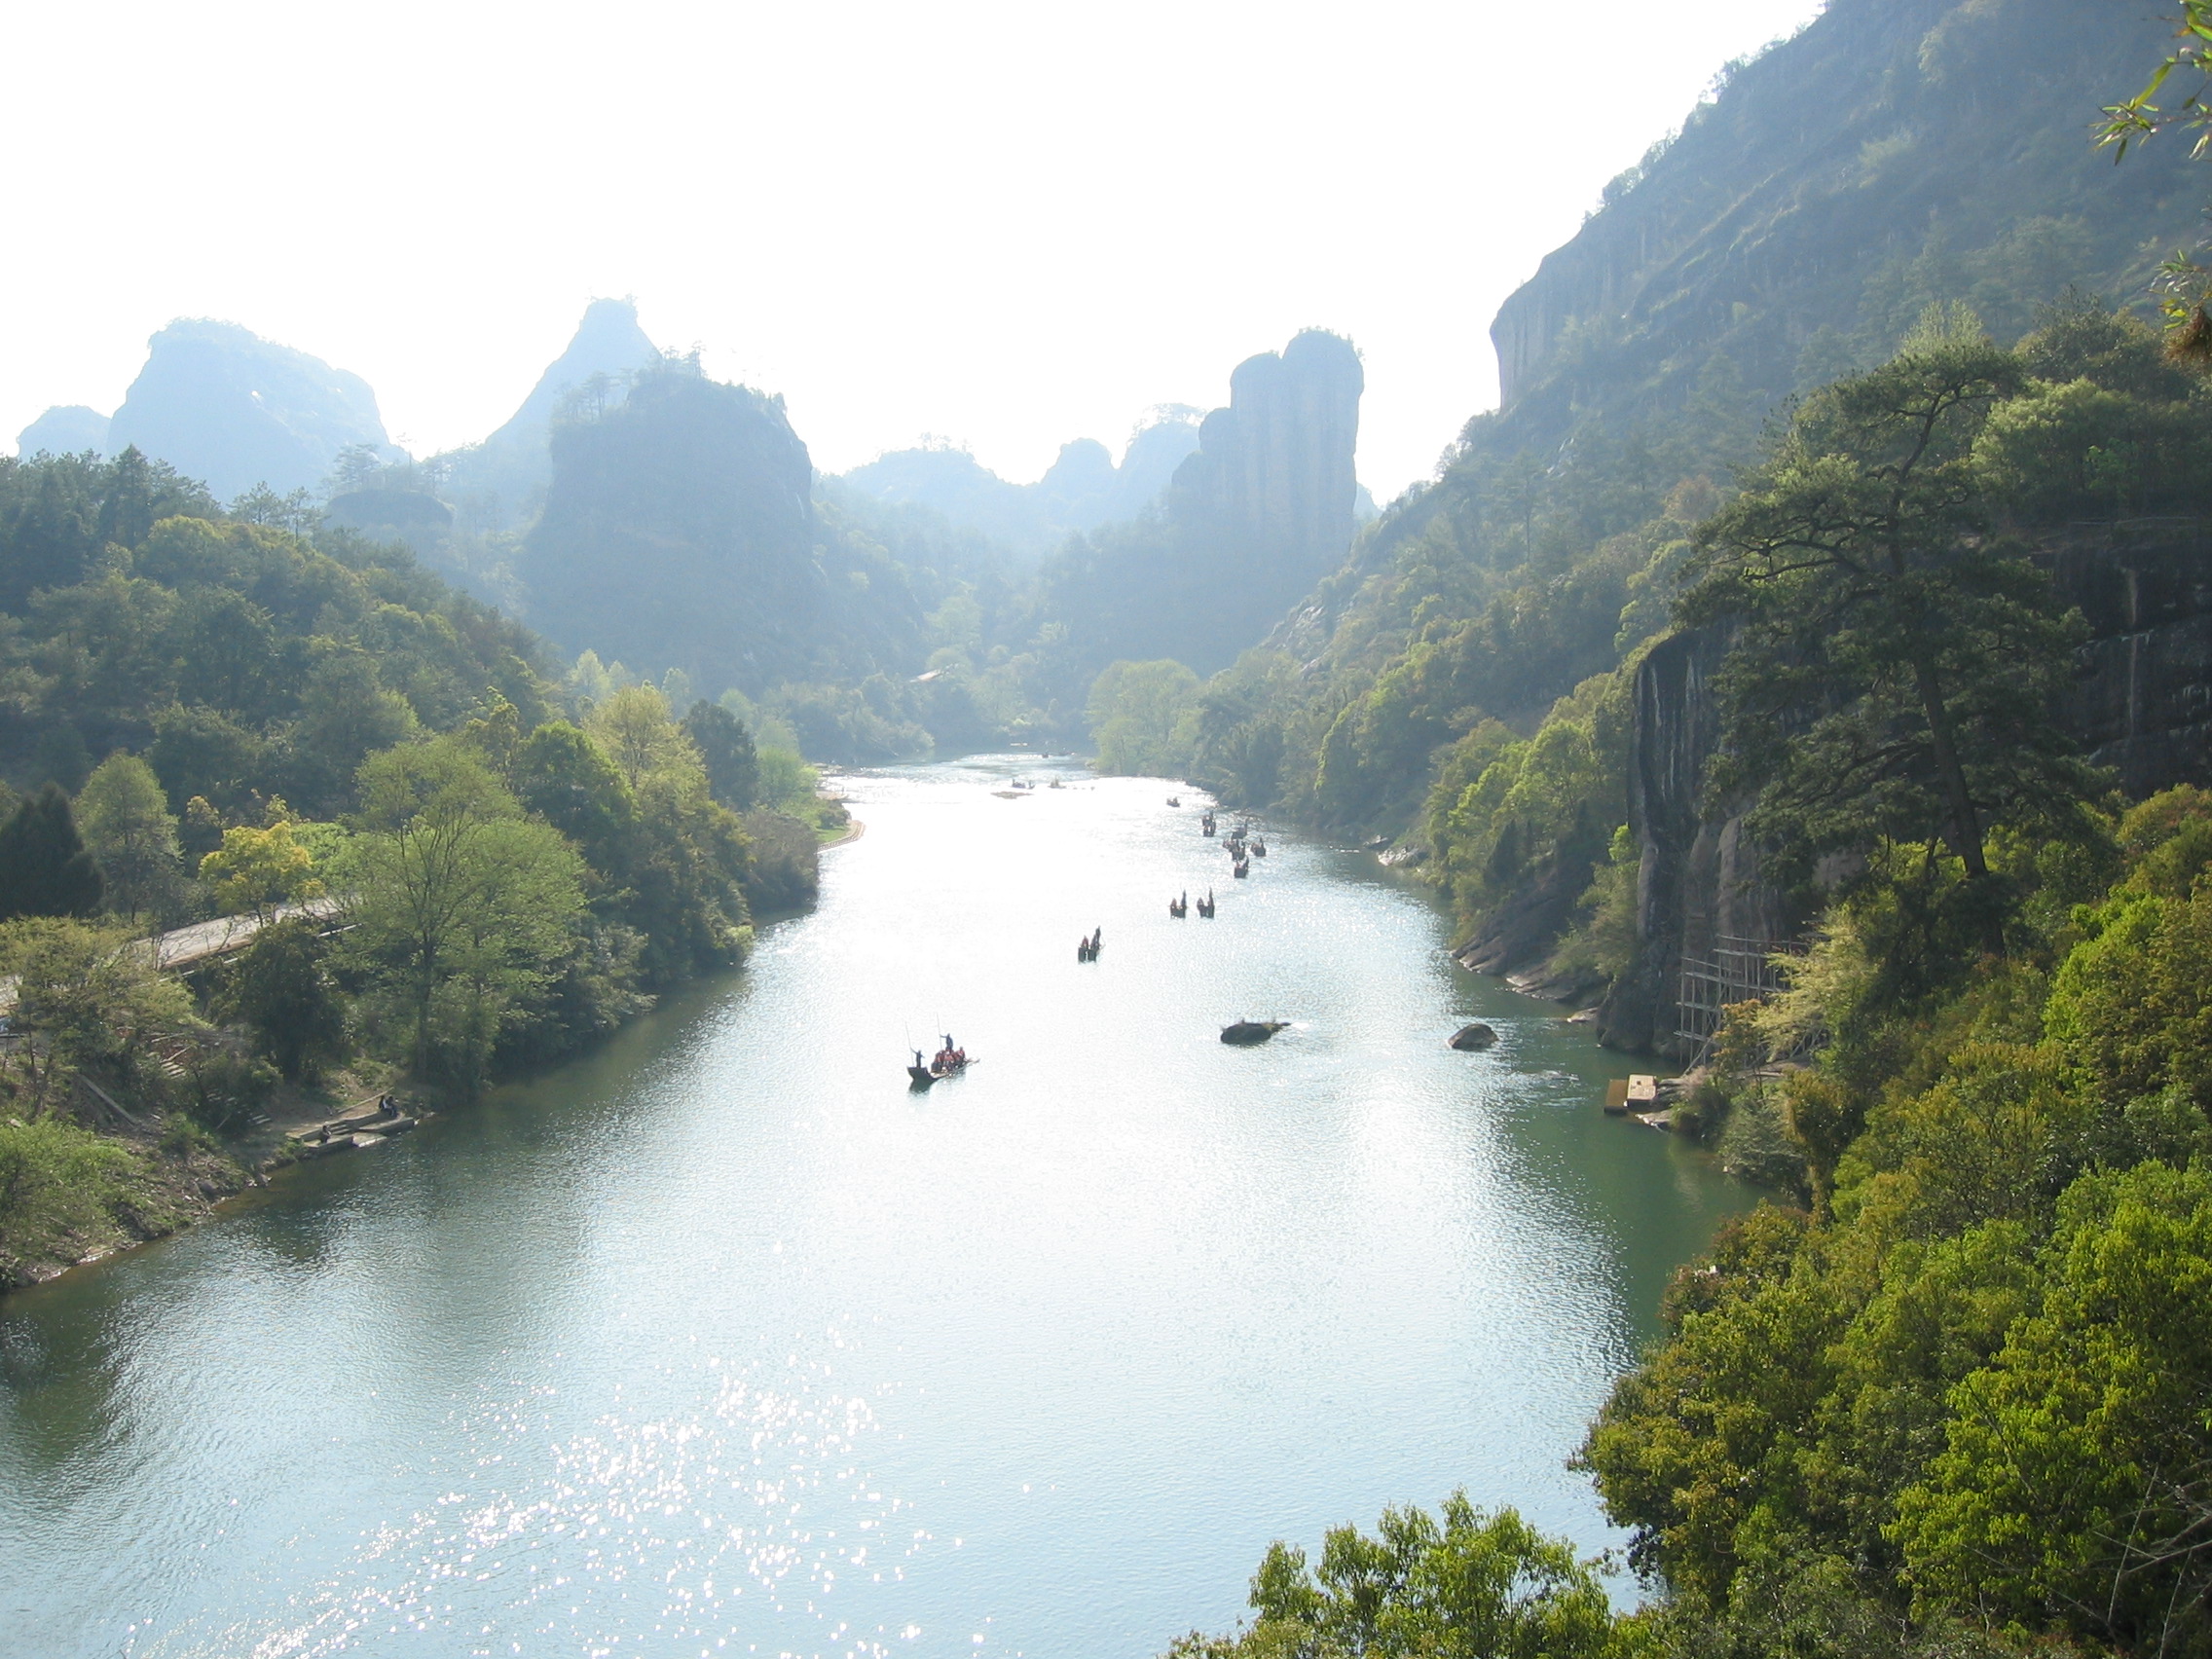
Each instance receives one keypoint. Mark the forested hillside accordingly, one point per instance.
(1945, 1394)
(209, 714)
(1464, 683)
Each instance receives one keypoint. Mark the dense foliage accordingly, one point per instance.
(1971, 1383)
(1474, 697)
(1471, 1584)
(283, 714)
(1956, 1404)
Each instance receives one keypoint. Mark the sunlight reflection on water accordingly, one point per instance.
(720, 1342)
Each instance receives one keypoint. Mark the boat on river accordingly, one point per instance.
(946, 1064)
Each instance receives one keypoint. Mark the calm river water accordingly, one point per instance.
(720, 1342)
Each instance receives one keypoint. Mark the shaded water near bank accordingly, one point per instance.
(722, 1341)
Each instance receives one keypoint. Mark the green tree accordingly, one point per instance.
(58, 1182)
(726, 749)
(634, 727)
(1475, 1585)
(283, 991)
(45, 869)
(462, 907)
(206, 752)
(92, 995)
(1894, 674)
(561, 773)
(1144, 719)
(347, 714)
(132, 835)
(260, 869)
(2076, 1485)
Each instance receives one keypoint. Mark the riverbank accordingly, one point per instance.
(83, 1193)
(726, 1252)
(93, 1165)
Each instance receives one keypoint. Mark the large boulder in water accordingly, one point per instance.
(1247, 1033)
(1473, 1038)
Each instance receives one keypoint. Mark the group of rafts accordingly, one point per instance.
(1243, 844)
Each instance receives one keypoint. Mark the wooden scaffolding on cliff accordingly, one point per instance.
(1736, 970)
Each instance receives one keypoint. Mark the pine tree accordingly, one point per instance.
(45, 869)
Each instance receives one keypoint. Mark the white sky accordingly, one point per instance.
(1008, 224)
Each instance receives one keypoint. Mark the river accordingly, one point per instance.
(720, 1342)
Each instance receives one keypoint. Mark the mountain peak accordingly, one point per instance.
(223, 405)
(607, 341)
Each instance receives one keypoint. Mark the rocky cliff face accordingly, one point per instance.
(502, 480)
(2143, 699)
(1255, 516)
(2142, 705)
(224, 406)
(1273, 473)
(1698, 883)
(678, 531)
(1894, 152)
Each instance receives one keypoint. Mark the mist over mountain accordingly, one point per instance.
(502, 479)
(67, 428)
(1893, 152)
(1082, 489)
(1255, 515)
(679, 530)
(223, 405)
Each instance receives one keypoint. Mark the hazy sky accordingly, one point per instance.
(1008, 224)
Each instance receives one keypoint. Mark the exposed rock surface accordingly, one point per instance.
(1261, 511)
(67, 428)
(678, 531)
(1473, 1038)
(1891, 151)
(504, 477)
(223, 405)
(1274, 471)
(2142, 698)
(2142, 705)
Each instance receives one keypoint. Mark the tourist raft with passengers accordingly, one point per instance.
(950, 1060)
(1243, 844)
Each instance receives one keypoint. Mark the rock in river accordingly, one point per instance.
(1473, 1038)
(1247, 1032)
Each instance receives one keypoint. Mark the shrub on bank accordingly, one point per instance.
(59, 1184)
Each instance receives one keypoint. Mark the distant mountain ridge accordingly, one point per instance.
(223, 405)
(508, 473)
(1082, 489)
(66, 428)
(1265, 506)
